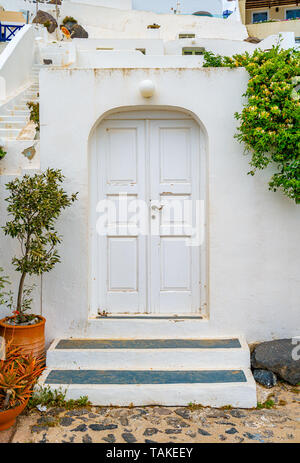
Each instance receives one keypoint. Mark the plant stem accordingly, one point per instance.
(20, 293)
(22, 280)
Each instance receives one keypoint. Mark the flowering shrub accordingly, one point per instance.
(270, 119)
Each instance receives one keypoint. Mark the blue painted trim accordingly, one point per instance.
(144, 377)
(148, 344)
(8, 31)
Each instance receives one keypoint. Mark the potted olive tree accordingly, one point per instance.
(34, 204)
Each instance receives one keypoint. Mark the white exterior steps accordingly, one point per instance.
(15, 116)
(212, 372)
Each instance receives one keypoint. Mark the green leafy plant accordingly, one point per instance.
(2, 153)
(56, 398)
(270, 119)
(69, 19)
(194, 406)
(34, 204)
(267, 404)
(18, 374)
(3, 282)
(34, 113)
(153, 26)
(21, 316)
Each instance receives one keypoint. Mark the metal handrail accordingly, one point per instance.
(8, 31)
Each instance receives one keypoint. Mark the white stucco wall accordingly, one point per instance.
(104, 22)
(152, 46)
(123, 52)
(230, 47)
(16, 61)
(253, 234)
(133, 59)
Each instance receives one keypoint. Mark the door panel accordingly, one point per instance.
(122, 250)
(122, 262)
(174, 188)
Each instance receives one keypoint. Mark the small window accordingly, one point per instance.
(297, 39)
(187, 36)
(193, 51)
(142, 50)
(292, 14)
(260, 16)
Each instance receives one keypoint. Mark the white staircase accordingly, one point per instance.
(170, 372)
(16, 115)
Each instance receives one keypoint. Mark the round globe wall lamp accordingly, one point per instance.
(147, 88)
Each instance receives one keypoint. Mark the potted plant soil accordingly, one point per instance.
(18, 374)
(34, 204)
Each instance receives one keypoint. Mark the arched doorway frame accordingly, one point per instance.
(143, 112)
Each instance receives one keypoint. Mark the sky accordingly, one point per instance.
(187, 6)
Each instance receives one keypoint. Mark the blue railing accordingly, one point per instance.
(8, 31)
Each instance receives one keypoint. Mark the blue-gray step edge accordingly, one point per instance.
(148, 343)
(215, 388)
(226, 353)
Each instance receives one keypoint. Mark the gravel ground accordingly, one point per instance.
(281, 423)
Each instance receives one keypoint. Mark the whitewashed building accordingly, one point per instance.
(131, 117)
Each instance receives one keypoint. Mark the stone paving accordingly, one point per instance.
(156, 424)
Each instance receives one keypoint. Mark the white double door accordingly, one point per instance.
(148, 175)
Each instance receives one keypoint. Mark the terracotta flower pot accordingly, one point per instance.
(30, 337)
(8, 417)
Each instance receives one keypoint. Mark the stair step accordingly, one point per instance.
(150, 353)
(29, 100)
(30, 95)
(215, 388)
(20, 107)
(9, 133)
(148, 343)
(18, 113)
(11, 124)
(10, 118)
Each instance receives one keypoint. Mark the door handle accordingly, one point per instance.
(157, 208)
